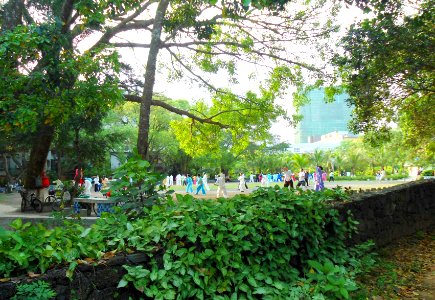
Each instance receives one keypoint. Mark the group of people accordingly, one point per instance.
(291, 180)
(201, 183)
(304, 177)
(380, 175)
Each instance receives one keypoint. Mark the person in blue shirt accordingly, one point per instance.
(200, 185)
(189, 186)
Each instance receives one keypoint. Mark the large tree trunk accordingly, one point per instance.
(59, 170)
(150, 76)
(38, 155)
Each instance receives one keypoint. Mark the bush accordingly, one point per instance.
(267, 244)
(397, 176)
(428, 173)
(38, 290)
(355, 178)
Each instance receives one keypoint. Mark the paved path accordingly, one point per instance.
(10, 203)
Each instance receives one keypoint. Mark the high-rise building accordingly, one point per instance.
(320, 118)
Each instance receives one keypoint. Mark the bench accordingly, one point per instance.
(103, 205)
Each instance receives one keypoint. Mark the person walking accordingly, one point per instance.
(205, 181)
(320, 186)
(189, 184)
(242, 182)
(288, 182)
(301, 178)
(200, 185)
(331, 176)
(221, 190)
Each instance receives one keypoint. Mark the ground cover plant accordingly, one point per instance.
(403, 270)
(271, 243)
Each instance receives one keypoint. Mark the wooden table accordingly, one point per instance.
(103, 205)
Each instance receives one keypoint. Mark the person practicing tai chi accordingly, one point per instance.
(200, 186)
(221, 190)
(242, 182)
(189, 184)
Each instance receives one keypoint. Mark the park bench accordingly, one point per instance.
(103, 205)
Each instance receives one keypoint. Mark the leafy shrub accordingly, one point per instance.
(428, 173)
(397, 176)
(246, 247)
(34, 248)
(138, 186)
(37, 290)
(354, 178)
(258, 245)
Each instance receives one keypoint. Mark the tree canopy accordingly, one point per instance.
(60, 60)
(388, 70)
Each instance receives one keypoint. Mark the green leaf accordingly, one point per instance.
(16, 224)
(86, 232)
(260, 290)
(344, 293)
(315, 265)
(252, 281)
(196, 278)
(122, 283)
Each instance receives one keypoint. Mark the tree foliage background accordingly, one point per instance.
(388, 70)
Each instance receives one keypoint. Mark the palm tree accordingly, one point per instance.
(338, 162)
(318, 157)
(355, 161)
(299, 161)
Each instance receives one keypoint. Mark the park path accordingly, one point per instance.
(10, 203)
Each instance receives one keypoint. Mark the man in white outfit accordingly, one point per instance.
(221, 190)
(242, 182)
(204, 180)
(88, 186)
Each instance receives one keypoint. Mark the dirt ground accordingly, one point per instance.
(406, 270)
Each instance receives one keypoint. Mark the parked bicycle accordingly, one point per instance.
(58, 199)
(30, 200)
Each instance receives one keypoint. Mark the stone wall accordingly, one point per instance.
(383, 216)
(389, 214)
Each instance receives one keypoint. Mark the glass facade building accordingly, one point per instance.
(320, 118)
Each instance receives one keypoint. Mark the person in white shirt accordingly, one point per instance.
(288, 182)
(97, 184)
(242, 182)
(221, 190)
(205, 181)
(301, 178)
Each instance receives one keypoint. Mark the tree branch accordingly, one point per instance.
(181, 112)
(124, 25)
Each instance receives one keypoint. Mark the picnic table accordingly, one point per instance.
(103, 205)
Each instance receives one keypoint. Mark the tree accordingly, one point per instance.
(45, 80)
(300, 161)
(318, 157)
(48, 75)
(216, 43)
(388, 70)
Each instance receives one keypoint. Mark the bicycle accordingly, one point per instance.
(34, 202)
(58, 199)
